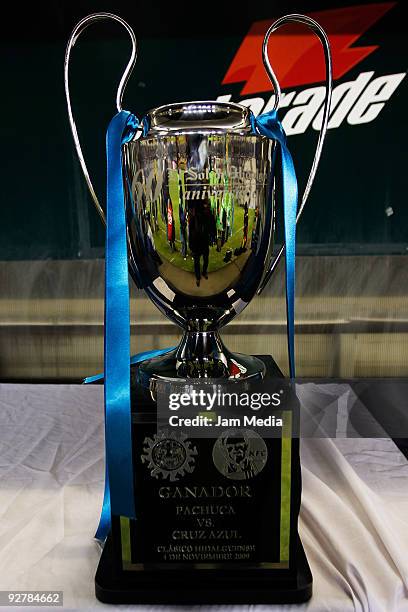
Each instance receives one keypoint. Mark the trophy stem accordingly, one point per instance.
(199, 355)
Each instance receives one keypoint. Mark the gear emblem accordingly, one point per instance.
(169, 455)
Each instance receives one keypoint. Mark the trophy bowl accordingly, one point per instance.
(200, 198)
(200, 202)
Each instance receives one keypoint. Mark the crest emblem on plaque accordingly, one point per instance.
(240, 454)
(169, 455)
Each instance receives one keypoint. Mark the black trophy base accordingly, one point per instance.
(156, 583)
(169, 587)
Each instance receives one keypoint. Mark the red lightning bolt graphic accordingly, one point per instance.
(296, 54)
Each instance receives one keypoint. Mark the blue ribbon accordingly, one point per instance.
(119, 487)
(268, 125)
(105, 519)
(118, 432)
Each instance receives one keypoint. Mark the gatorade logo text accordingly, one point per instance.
(297, 59)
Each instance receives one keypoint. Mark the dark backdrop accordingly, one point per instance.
(358, 203)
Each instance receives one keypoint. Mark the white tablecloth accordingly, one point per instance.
(353, 523)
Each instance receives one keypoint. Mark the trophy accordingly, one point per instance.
(196, 189)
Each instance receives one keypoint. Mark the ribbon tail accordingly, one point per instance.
(269, 125)
(118, 432)
(290, 195)
(104, 526)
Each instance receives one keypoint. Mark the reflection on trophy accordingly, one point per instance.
(200, 208)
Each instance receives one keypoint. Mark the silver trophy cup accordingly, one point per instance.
(201, 195)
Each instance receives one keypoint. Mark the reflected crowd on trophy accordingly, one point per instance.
(198, 211)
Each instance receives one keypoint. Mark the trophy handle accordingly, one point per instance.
(318, 30)
(77, 31)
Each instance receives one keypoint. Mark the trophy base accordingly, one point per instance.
(199, 355)
(219, 587)
(124, 579)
